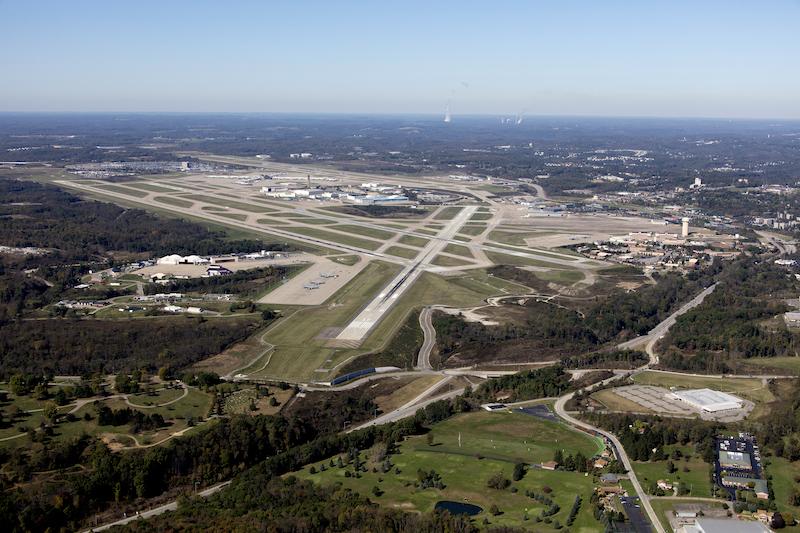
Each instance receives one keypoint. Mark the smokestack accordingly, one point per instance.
(447, 112)
(685, 227)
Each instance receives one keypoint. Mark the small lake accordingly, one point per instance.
(456, 508)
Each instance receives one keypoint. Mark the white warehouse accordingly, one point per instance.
(708, 400)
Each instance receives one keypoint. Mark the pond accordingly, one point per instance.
(456, 508)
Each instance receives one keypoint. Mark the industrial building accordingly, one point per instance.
(721, 525)
(738, 460)
(708, 400)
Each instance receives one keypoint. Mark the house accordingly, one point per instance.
(601, 463)
(664, 484)
(217, 270)
(549, 465)
(609, 479)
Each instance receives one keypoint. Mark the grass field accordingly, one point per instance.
(447, 213)
(171, 200)
(490, 443)
(298, 350)
(480, 217)
(783, 474)
(241, 217)
(750, 388)
(697, 479)
(615, 402)
(513, 260)
(123, 190)
(365, 231)
(457, 249)
(790, 364)
(447, 261)
(250, 208)
(151, 187)
(472, 229)
(349, 260)
(195, 405)
(412, 240)
(402, 251)
(340, 238)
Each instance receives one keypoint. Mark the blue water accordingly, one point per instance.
(456, 508)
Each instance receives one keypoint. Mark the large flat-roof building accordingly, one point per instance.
(708, 400)
(740, 460)
(720, 525)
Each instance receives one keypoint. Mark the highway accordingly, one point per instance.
(424, 357)
(654, 335)
(171, 506)
(649, 341)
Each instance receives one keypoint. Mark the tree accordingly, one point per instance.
(777, 520)
(429, 438)
(519, 471)
(494, 510)
(51, 411)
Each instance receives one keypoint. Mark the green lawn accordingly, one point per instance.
(299, 351)
(123, 190)
(447, 213)
(251, 208)
(412, 240)
(169, 200)
(447, 261)
(472, 229)
(789, 364)
(457, 249)
(196, 404)
(365, 231)
(150, 187)
(481, 216)
(340, 238)
(402, 251)
(697, 479)
(513, 260)
(490, 443)
(783, 474)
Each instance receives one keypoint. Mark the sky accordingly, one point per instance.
(704, 58)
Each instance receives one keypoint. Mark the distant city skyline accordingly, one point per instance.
(713, 59)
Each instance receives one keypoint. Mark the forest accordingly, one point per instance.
(733, 322)
(554, 332)
(88, 346)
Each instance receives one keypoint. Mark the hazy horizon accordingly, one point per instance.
(576, 59)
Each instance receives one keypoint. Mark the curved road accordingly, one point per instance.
(424, 357)
(649, 342)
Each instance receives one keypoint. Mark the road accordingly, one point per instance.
(362, 324)
(620, 452)
(649, 340)
(424, 357)
(171, 506)
(654, 335)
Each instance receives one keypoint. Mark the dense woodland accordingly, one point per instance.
(87, 346)
(549, 332)
(734, 321)
(80, 235)
(258, 447)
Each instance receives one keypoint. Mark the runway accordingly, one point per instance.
(361, 325)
